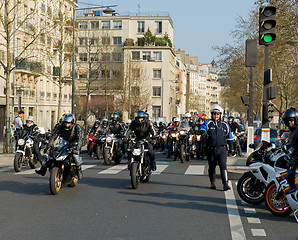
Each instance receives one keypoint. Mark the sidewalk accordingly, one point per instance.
(6, 159)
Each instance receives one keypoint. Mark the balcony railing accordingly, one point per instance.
(32, 66)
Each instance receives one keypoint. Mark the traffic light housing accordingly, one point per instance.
(270, 110)
(267, 24)
(245, 100)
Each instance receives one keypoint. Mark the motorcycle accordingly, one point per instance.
(61, 164)
(237, 150)
(265, 163)
(173, 137)
(112, 149)
(182, 145)
(100, 143)
(201, 146)
(162, 139)
(139, 163)
(24, 154)
(91, 144)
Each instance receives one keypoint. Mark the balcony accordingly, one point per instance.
(28, 66)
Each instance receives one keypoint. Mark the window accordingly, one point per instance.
(157, 56)
(156, 111)
(105, 41)
(135, 91)
(94, 25)
(105, 57)
(157, 73)
(106, 25)
(105, 73)
(116, 74)
(83, 25)
(146, 55)
(93, 74)
(117, 57)
(158, 27)
(117, 40)
(141, 27)
(136, 73)
(135, 55)
(117, 24)
(93, 57)
(83, 57)
(94, 41)
(156, 91)
(83, 41)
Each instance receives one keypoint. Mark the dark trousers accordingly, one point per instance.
(37, 152)
(217, 156)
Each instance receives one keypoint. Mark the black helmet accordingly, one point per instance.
(290, 114)
(141, 114)
(68, 118)
(230, 119)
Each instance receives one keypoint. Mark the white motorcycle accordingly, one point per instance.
(265, 163)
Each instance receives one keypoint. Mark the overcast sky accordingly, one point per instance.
(198, 24)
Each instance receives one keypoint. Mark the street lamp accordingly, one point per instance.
(19, 92)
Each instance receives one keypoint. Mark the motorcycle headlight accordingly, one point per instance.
(109, 139)
(198, 137)
(21, 142)
(174, 135)
(182, 132)
(136, 151)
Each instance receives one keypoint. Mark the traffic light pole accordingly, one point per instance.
(265, 123)
(250, 128)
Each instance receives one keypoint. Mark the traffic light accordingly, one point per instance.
(267, 25)
(245, 100)
(270, 110)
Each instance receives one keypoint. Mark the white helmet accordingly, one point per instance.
(176, 119)
(128, 121)
(30, 118)
(216, 108)
(187, 115)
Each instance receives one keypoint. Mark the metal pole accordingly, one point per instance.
(265, 124)
(162, 91)
(250, 129)
(129, 100)
(73, 62)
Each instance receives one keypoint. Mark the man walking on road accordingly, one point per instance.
(218, 134)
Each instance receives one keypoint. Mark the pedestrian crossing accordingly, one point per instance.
(195, 170)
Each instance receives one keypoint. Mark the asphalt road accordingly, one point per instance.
(176, 204)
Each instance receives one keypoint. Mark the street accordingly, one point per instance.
(177, 203)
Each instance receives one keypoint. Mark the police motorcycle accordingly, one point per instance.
(201, 146)
(183, 144)
(112, 150)
(265, 163)
(139, 162)
(61, 164)
(280, 198)
(24, 154)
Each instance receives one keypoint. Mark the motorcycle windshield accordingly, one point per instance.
(24, 134)
(60, 144)
(184, 125)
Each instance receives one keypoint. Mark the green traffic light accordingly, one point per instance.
(267, 38)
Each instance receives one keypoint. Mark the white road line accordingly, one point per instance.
(31, 171)
(195, 170)
(253, 220)
(114, 170)
(258, 232)
(84, 167)
(249, 210)
(236, 226)
(244, 203)
(5, 169)
(160, 169)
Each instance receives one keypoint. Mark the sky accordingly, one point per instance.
(199, 25)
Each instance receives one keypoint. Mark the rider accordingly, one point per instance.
(33, 132)
(95, 126)
(219, 133)
(71, 132)
(233, 125)
(142, 128)
(127, 123)
(290, 118)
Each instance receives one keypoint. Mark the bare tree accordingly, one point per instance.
(17, 18)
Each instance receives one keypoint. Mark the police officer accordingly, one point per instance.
(71, 132)
(290, 118)
(142, 128)
(219, 133)
(18, 122)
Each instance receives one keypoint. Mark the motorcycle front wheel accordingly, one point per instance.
(134, 175)
(98, 151)
(250, 189)
(106, 156)
(182, 153)
(56, 177)
(276, 202)
(18, 162)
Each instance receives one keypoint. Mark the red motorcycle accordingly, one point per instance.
(91, 143)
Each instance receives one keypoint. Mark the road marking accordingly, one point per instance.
(253, 220)
(249, 210)
(195, 170)
(4, 169)
(31, 171)
(84, 167)
(114, 170)
(160, 169)
(236, 226)
(258, 232)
